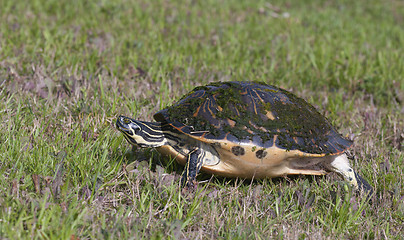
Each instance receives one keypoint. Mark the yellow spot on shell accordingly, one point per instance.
(231, 122)
(270, 115)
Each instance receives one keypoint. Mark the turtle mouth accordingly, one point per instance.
(127, 126)
(120, 125)
(131, 130)
(123, 125)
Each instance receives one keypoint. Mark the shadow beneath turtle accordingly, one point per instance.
(138, 161)
(218, 180)
(150, 157)
(144, 160)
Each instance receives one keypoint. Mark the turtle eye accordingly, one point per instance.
(126, 121)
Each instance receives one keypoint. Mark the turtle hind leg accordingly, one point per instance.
(194, 163)
(341, 165)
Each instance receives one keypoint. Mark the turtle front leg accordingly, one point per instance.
(194, 163)
(341, 165)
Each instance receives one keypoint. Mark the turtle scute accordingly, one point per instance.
(253, 112)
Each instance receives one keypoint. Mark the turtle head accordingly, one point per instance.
(143, 134)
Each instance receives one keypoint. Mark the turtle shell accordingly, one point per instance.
(255, 113)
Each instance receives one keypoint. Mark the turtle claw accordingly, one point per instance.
(189, 186)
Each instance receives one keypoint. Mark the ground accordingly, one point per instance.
(69, 68)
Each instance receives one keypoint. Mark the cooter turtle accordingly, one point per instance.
(247, 130)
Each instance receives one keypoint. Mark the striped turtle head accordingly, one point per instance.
(143, 134)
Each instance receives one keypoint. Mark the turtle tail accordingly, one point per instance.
(363, 185)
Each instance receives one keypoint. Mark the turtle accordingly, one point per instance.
(248, 130)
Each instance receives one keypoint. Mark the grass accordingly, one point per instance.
(68, 68)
